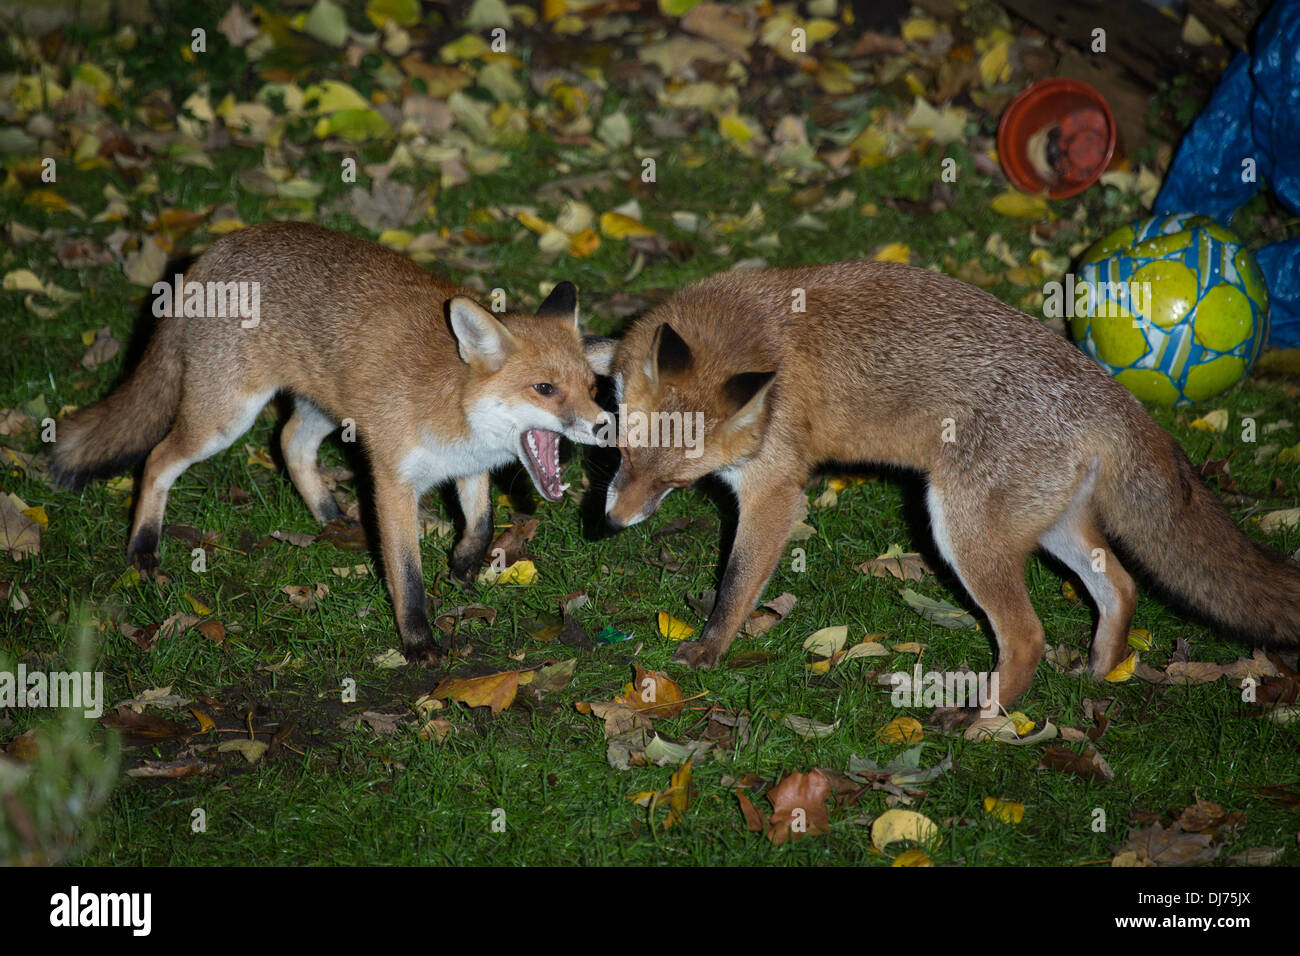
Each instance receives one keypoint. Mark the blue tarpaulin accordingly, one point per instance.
(1254, 115)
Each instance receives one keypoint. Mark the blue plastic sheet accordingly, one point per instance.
(1253, 115)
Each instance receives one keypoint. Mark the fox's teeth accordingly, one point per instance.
(564, 487)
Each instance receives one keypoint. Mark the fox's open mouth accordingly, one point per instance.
(541, 455)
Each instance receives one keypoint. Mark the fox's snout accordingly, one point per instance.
(594, 428)
(631, 500)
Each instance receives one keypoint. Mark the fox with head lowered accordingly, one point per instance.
(1026, 444)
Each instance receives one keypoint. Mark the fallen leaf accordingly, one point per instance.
(496, 691)
(895, 825)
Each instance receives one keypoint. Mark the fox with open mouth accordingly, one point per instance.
(436, 387)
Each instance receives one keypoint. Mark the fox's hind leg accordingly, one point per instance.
(200, 431)
(1077, 542)
(300, 440)
(989, 557)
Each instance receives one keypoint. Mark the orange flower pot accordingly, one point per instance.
(1058, 135)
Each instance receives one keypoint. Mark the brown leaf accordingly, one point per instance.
(171, 769)
(300, 596)
(1090, 765)
(619, 718)
(753, 819)
(654, 694)
(1163, 847)
(703, 604)
(905, 566)
(798, 807)
(344, 534)
(297, 538)
(24, 746)
(213, 630)
(449, 620)
(769, 615)
(19, 534)
(1204, 816)
(513, 542)
(143, 726)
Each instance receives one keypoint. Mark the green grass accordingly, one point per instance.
(337, 795)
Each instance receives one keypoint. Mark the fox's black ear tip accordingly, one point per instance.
(561, 303)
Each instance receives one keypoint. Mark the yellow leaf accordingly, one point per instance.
(995, 65)
(37, 514)
(328, 96)
(584, 243)
(734, 129)
(496, 691)
(522, 573)
(912, 858)
(618, 226)
(24, 280)
(403, 13)
(919, 28)
(199, 606)
(901, 730)
(468, 47)
(46, 199)
(1007, 811)
(1215, 421)
(546, 634)
(554, 9)
(1139, 638)
(894, 825)
(1019, 205)
(672, 628)
(223, 226)
(1124, 671)
(258, 456)
(537, 225)
(396, 238)
(205, 722)
(892, 252)
(827, 641)
(817, 30)
(1022, 723)
(872, 147)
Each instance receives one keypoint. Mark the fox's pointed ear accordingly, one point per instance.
(747, 394)
(600, 353)
(484, 342)
(562, 303)
(669, 354)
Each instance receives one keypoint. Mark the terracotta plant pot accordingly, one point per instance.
(1058, 135)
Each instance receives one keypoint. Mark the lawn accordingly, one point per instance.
(502, 170)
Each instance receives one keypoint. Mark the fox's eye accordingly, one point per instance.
(544, 388)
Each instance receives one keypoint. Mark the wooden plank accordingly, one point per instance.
(1142, 40)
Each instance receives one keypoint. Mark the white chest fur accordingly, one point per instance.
(493, 442)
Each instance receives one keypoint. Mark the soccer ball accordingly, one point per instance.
(1173, 307)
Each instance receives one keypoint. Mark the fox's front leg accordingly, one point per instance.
(766, 515)
(396, 506)
(475, 495)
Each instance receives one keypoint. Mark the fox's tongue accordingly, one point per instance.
(541, 454)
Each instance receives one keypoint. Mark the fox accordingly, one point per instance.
(1024, 443)
(437, 388)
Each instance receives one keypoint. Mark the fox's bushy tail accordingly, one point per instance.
(117, 433)
(1157, 506)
